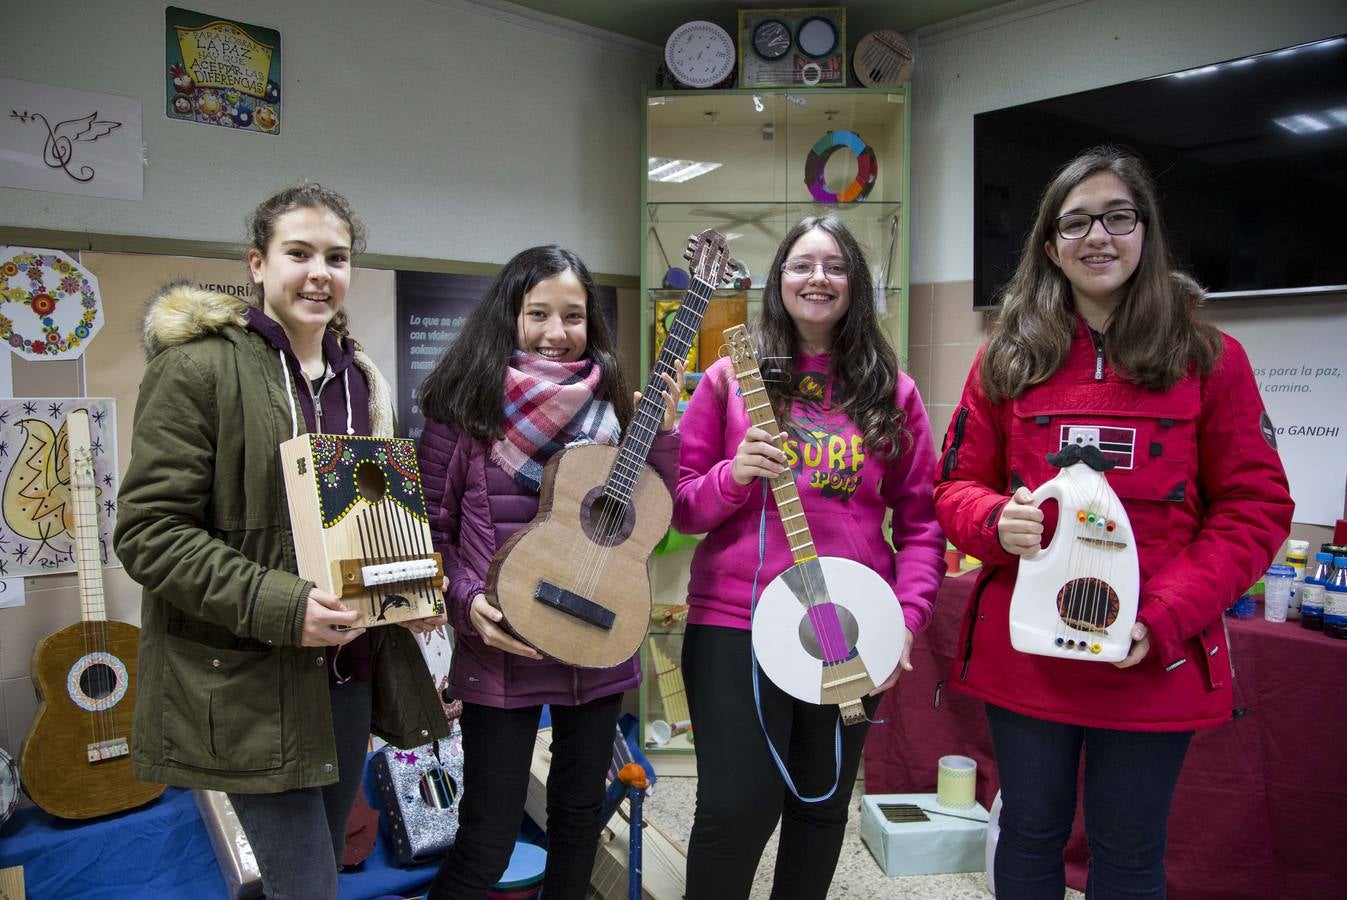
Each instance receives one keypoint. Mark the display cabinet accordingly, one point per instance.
(751, 164)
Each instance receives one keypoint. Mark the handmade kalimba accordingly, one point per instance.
(360, 526)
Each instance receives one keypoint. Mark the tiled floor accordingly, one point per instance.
(670, 806)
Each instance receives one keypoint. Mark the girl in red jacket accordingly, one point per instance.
(1097, 337)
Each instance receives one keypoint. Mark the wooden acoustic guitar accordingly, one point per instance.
(828, 629)
(76, 761)
(573, 583)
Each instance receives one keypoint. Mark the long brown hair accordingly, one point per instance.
(467, 386)
(864, 366)
(261, 226)
(1153, 338)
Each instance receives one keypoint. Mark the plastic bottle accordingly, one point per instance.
(1312, 593)
(1335, 600)
(1296, 557)
(1277, 593)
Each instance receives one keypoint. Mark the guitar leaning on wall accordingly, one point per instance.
(76, 761)
(573, 583)
(827, 630)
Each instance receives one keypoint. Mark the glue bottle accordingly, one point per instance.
(1312, 592)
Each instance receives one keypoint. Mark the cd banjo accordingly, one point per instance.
(828, 629)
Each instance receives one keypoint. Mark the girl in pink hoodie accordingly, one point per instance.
(859, 442)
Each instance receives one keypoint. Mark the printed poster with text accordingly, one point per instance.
(221, 72)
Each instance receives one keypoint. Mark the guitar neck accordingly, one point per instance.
(645, 422)
(84, 499)
(760, 413)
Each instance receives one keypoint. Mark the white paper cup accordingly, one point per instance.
(956, 781)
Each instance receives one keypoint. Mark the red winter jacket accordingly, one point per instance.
(1208, 502)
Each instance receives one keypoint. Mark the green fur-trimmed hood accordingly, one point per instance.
(180, 312)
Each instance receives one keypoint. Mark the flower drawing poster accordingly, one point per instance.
(221, 72)
(38, 520)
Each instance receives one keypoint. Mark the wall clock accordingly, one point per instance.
(771, 39)
(817, 36)
(699, 54)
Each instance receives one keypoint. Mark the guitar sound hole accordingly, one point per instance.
(98, 681)
(1088, 604)
(369, 481)
(605, 521)
(809, 638)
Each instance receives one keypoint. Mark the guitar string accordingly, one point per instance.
(765, 416)
(102, 676)
(1089, 567)
(614, 511)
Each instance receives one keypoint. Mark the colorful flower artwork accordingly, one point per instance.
(50, 307)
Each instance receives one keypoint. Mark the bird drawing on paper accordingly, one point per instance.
(36, 500)
(59, 149)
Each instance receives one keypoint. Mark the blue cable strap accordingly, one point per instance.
(757, 693)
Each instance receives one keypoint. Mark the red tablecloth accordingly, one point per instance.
(1261, 807)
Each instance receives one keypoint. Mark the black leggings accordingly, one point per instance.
(497, 753)
(740, 792)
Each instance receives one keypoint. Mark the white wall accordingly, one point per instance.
(457, 131)
(1061, 48)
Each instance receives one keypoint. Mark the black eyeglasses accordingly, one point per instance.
(1120, 221)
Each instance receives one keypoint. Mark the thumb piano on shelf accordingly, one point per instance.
(360, 525)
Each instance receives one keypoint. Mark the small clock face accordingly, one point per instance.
(699, 54)
(771, 39)
(817, 37)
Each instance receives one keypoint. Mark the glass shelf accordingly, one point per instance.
(764, 158)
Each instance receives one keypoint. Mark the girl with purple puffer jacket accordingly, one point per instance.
(533, 371)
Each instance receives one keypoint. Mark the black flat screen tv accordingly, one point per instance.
(1250, 157)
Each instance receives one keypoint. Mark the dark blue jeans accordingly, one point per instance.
(1129, 783)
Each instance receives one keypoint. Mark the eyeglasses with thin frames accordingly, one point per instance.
(799, 267)
(1116, 222)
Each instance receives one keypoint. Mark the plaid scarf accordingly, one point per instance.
(549, 406)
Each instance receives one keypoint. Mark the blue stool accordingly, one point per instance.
(523, 877)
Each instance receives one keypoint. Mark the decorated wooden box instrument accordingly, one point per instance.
(828, 629)
(574, 582)
(421, 790)
(360, 526)
(1077, 598)
(76, 760)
